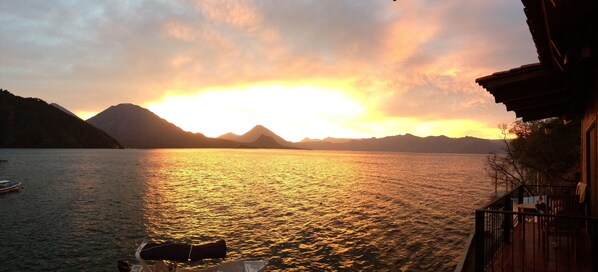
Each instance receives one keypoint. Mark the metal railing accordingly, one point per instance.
(510, 240)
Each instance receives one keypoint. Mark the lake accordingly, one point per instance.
(301, 210)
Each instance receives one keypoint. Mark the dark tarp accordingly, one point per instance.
(180, 252)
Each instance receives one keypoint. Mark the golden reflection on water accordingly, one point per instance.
(300, 210)
(199, 194)
(306, 210)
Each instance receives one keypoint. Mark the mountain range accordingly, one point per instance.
(137, 127)
(132, 126)
(264, 141)
(33, 123)
(409, 143)
(254, 134)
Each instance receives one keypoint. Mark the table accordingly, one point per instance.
(531, 208)
(526, 206)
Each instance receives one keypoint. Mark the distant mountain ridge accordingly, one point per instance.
(137, 127)
(254, 134)
(398, 143)
(411, 143)
(264, 141)
(33, 123)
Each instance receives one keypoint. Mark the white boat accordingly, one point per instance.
(165, 256)
(9, 186)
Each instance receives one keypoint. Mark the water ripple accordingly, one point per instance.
(300, 210)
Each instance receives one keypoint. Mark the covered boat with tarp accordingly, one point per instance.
(165, 256)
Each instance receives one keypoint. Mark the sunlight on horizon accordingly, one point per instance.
(291, 111)
(298, 111)
(372, 69)
(84, 115)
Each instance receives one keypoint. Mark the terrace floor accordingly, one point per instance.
(528, 252)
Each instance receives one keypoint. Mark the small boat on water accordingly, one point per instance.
(9, 186)
(165, 256)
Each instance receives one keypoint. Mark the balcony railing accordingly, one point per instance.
(511, 235)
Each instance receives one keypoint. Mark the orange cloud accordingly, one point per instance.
(400, 60)
(179, 31)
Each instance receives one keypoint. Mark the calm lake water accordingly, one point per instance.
(83, 210)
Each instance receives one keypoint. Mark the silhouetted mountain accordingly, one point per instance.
(264, 142)
(33, 123)
(137, 127)
(410, 143)
(229, 136)
(255, 133)
(64, 110)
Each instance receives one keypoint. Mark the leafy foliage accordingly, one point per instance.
(538, 156)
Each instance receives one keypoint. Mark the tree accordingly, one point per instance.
(545, 152)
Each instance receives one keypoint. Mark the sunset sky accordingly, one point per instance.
(314, 69)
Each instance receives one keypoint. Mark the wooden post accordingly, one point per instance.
(519, 201)
(519, 195)
(508, 218)
(594, 243)
(480, 253)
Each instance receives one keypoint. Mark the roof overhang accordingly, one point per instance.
(533, 92)
(566, 39)
(564, 31)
